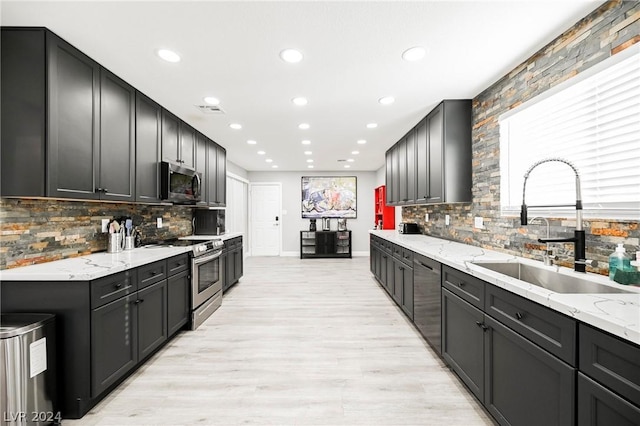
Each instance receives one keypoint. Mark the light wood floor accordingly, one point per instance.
(296, 342)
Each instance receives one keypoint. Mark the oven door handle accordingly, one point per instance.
(200, 260)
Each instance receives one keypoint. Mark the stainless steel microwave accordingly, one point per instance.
(179, 184)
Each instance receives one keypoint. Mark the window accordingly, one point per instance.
(591, 120)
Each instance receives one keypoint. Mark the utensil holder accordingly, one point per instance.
(114, 245)
(129, 242)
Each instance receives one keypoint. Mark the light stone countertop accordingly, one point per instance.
(98, 265)
(616, 313)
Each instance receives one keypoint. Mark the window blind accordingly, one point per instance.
(592, 121)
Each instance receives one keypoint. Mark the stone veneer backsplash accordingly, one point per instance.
(611, 28)
(37, 230)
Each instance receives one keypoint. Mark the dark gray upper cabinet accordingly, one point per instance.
(421, 162)
(117, 139)
(170, 137)
(178, 141)
(187, 145)
(221, 177)
(74, 112)
(148, 149)
(411, 166)
(24, 110)
(202, 165)
(432, 163)
(389, 177)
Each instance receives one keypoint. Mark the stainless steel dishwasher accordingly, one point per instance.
(28, 369)
(427, 302)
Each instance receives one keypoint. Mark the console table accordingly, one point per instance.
(325, 244)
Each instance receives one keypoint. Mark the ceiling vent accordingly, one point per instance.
(210, 109)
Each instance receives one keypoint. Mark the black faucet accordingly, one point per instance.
(578, 240)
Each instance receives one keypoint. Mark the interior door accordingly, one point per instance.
(266, 218)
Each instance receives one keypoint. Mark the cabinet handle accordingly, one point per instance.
(519, 315)
(482, 326)
(461, 284)
(425, 265)
(138, 301)
(118, 285)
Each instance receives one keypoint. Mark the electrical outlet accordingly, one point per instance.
(105, 225)
(447, 219)
(478, 222)
(159, 222)
(426, 217)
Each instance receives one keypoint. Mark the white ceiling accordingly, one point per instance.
(352, 57)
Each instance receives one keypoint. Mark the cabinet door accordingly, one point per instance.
(148, 149)
(463, 341)
(152, 318)
(221, 177)
(427, 299)
(598, 406)
(74, 102)
(201, 165)
(518, 372)
(401, 161)
(407, 291)
(177, 301)
(411, 166)
(384, 258)
(114, 342)
(117, 138)
(212, 184)
(422, 180)
(389, 178)
(398, 281)
(390, 275)
(435, 138)
(187, 145)
(170, 137)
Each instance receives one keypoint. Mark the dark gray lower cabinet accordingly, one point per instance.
(232, 262)
(598, 406)
(124, 332)
(463, 341)
(178, 287)
(524, 384)
(114, 342)
(403, 287)
(427, 299)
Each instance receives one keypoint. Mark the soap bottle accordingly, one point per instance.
(619, 260)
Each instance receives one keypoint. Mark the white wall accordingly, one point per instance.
(292, 222)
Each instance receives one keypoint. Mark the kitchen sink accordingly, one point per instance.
(548, 278)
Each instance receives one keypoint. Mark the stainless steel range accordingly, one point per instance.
(206, 276)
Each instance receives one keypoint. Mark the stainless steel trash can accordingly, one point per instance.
(28, 369)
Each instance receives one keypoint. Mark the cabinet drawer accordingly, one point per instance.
(610, 361)
(407, 256)
(465, 286)
(549, 329)
(178, 264)
(396, 250)
(151, 273)
(112, 287)
(387, 246)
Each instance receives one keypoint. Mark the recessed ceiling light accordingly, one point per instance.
(346, 166)
(269, 160)
(261, 153)
(300, 101)
(306, 142)
(168, 55)
(387, 100)
(310, 166)
(308, 153)
(414, 53)
(303, 126)
(251, 142)
(372, 125)
(212, 101)
(274, 166)
(235, 126)
(350, 160)
(355, 152)
(309, 160)
(362, 142)
(291, 55)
